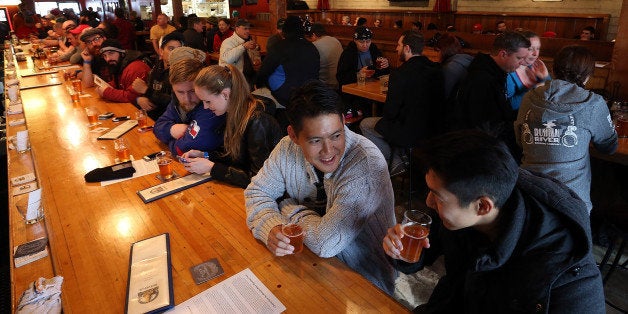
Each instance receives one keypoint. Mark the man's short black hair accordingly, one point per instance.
(472, 164)
(510, 41)
(311, 100)
(318, 29)
(414, 40)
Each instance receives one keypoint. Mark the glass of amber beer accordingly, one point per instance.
(78, 85)
(142, 120)
(164, 161)
(295, 233)
(416, 227)
(92, 114)
(122, 150)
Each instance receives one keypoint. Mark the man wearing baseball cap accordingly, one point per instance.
(92, 38)
(359, 54)
(242, 51)
(157, 91)
(124, 66)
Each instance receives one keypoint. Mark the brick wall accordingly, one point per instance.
(612, 7)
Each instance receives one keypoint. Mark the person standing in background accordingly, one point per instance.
(162, 28)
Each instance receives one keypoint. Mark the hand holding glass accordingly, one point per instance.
(416, 227)
(295, 233)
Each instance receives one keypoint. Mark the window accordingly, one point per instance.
(43, 8)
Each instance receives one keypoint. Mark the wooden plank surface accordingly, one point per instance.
(370, 90)
(91, 227)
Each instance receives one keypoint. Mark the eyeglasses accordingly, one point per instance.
(89, 42)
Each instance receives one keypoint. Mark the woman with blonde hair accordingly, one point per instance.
(250, 133)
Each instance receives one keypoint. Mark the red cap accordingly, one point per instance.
(549, 34)
(79, 29)
(477, 27)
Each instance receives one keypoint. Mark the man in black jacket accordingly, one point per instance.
(360, 54)
(481, 102)
(290, 63)
(513, 241)
(411, 113)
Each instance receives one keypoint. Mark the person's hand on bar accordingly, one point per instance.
(278, 243)
(145, 103)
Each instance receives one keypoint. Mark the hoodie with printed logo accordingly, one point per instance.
(554, 126)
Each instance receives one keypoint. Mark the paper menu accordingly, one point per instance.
(240, 293)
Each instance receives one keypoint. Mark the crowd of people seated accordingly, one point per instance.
(505, 147)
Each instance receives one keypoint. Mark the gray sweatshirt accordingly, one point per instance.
(555, 124)
(360, 205)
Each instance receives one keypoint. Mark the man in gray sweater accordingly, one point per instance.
(332, 182)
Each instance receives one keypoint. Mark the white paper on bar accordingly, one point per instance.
(100, 82)
(13, 92)
(142, 168)
(240, 293)
(34, 203)
(21, 140)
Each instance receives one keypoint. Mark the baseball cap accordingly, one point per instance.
(243, 23)
(362, 32)
(79, 29)
(111, 45)
(172, 36)
(183, 53)
(91, 32)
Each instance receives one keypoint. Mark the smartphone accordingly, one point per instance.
(122, 118)
(150, 157)
(105, 116)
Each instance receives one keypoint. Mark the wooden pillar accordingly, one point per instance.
(277, 10)
(619, 66)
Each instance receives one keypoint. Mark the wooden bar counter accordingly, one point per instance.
(91, 227)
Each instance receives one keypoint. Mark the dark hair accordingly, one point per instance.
(418, 25)
(432, 26)
(293, 27)
(510, 41)
(414, 40)
(574, 64)
(318, 29)
(312, 99)
(361, 21)
(528, 33)
(119, 13)
(472, 164)
(194, 20)
(448, 45)
(590, 29)
(399, 23)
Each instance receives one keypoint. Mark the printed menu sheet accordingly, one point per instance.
(241, 293)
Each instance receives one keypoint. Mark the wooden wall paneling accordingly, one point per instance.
(619, 68)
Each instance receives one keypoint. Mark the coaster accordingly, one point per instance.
(175, 175)
(206, 271)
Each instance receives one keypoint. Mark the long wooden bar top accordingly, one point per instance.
(91, 227)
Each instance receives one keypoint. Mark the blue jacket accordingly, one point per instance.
(540, 262)
(204, 133)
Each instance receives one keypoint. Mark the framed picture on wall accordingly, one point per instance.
(235, 3)
(251, 1)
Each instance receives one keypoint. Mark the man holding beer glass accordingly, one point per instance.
(330, 181)
(513, 242)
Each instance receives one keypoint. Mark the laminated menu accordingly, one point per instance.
(149, 289)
